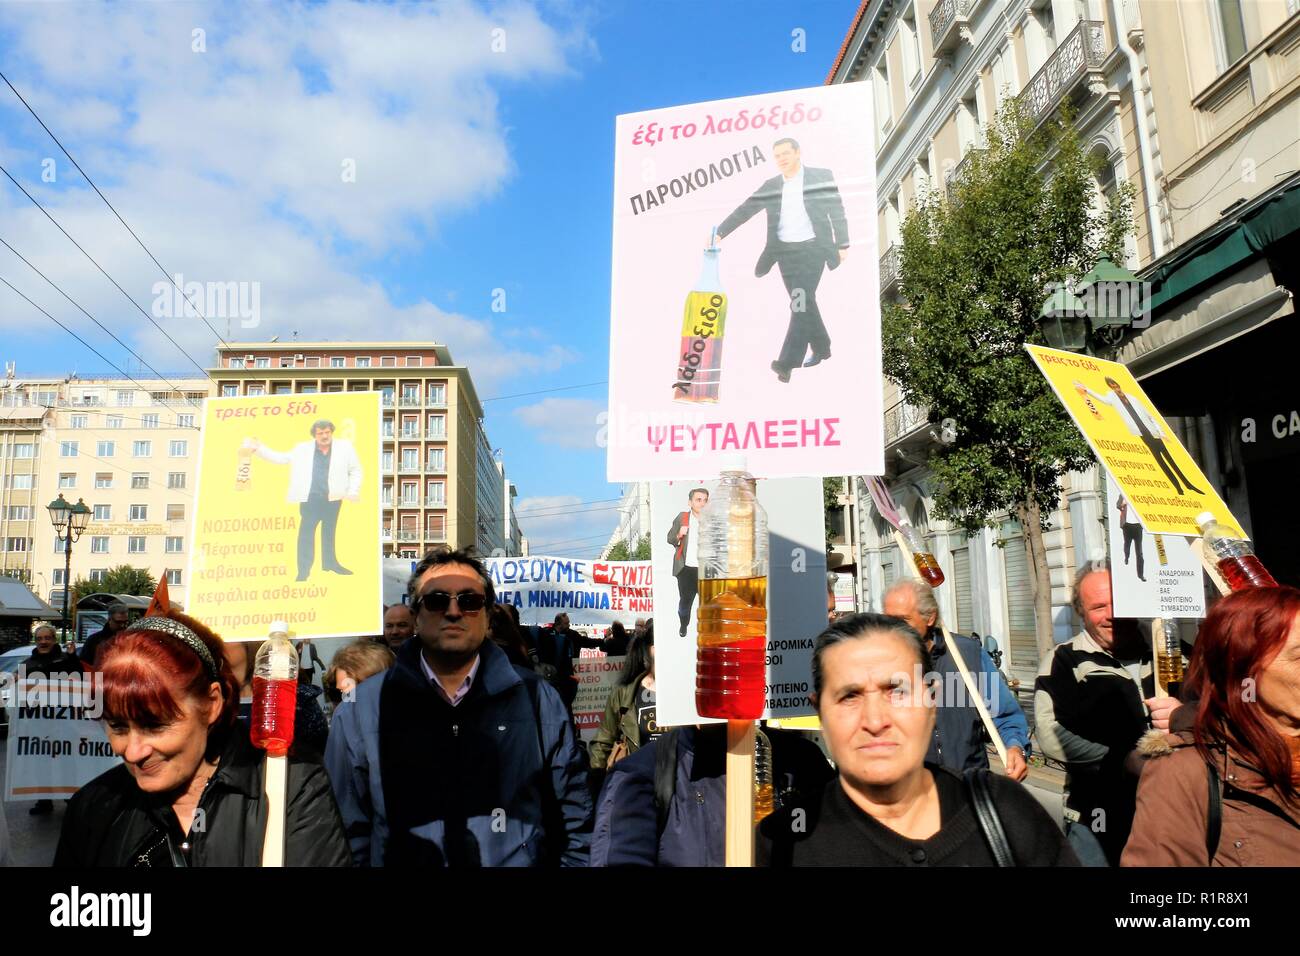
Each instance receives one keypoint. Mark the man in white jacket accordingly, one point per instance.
(1142, 425)
(322, 473)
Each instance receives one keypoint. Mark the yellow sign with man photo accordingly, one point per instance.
(1133, 442)
(287, 521)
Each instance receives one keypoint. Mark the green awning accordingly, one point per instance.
(1275, 220)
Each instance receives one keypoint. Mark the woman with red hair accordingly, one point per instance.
(1227, 791)
(190, 790)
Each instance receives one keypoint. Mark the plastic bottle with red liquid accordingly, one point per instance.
(1234, 557)
(731, 654)
(927, 565)
(275, 692)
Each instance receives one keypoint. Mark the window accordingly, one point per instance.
(438, 394)
(16, 544)
(437, 494)
(67, 480)
(175, 512)
(174, 545)
(363, 361)
(79, 421)
(437, 459)
(236, 361)
(410, 427)
(884, 108)
(410, 490)
(139, 512)
(313, 361)
(178, 449)
(103, 480)
(257, 390)
(19, 482)
(125, 398)
(388, 361)
(113, 421)
(337, 361)
(413, 361)
(286, 361)
(98, 544)
(22, 450)
(264, 362)
(104, 449)
(437, 426)
(135, 544)
(437, 528)
(184, 421)
(1002, 77)
(174, 576)
(282, 388)
(20, 513)
(388, 428)
(386, 396)
(60, 545)
(175, 480)
(141, 449)
(229, 391)
(387, 494)
(103, 512)
(58, 576)
(149, 421)
(410, 394)
(49, 398)
(1231, 31)
(97, 575)
(911, 48)
(386, 462)
(410, 459)
(139, 480)
(68, 449)
(308, 389)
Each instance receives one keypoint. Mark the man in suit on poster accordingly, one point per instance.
(684, 536)
(806, 232)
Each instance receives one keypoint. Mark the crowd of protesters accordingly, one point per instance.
(451, 742)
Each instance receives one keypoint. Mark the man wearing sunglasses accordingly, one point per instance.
(455, 757)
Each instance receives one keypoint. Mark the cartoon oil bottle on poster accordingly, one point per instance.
(699, 367)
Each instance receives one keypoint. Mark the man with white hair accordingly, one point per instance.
(958, 740)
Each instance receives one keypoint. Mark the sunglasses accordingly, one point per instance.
(437, 602)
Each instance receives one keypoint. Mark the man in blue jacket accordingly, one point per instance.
(958, 741)
(454, 757)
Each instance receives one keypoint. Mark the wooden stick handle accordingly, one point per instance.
(740, 793)
(277, 776)
(971, 691)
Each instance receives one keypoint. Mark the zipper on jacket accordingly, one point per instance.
(455, 730)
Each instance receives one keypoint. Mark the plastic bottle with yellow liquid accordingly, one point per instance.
(704, 320)
(731, 654)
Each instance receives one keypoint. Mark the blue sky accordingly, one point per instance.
(481, 135)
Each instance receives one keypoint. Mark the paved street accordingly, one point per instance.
(32, 840)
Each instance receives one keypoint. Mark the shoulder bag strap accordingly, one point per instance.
(1214, 815)
(977, 783)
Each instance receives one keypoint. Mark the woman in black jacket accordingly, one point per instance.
(875, 695)
(190, 791)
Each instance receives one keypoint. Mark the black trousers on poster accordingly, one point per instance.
(802, 265)
(313, 512)
(1133, 539)
(688, 588)
(1167, 464)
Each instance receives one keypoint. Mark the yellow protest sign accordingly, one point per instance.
(287, 520)
(1133, 442)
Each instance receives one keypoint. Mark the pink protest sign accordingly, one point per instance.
(745, 303)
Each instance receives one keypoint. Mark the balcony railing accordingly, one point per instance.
(406, 534)
(954, 176)
(1080, 55)
(386, 534)
(431, 469)
(411, 401)
(410, 433)
(436, 535)
(901, 419)
(890, 271)
(410, 470)
(436, 501)
(436, 434)
(386, 400)
(949, 24)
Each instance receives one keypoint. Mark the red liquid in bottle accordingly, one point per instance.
(1245, 572)
(271, 726)
(928, 567)
(731, 655)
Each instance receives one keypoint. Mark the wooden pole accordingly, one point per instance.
(277, 771)
(740, 793)
(971, 691)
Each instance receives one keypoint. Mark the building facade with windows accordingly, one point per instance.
(1193, 103)
(435, 460)
(633, 517)
(27, 409)
(130, 452)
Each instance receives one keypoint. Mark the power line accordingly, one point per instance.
(140, 241)
(37, 204)
(541, 391)
(570, 541)
(82, 409)
(174, 386)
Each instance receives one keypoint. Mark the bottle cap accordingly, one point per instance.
(733, 461)
(1204, 518)
(279, 627)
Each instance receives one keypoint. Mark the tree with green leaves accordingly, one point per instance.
(122, 579)
(621, 552)
(977, 266)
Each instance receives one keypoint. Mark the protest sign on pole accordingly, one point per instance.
(1152, 575)
(736, 317)
(1159, 479)
(56, 740)
(597, 677)
(796, 593)
(287, 519)
(591, 593)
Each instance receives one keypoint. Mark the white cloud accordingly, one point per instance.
(563, 422)
(576, 529)
(228, 163)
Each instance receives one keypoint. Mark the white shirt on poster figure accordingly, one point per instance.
(692, 540)
(794, 225)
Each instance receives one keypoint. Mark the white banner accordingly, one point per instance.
(597, 676)
(56, 741)
(1152, 575)
(592, 593)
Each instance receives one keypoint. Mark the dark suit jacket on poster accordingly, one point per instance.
(679, 554)
(821, 200)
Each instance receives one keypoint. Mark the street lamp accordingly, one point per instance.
(1110, 296)
(1064, 321)
(69, 521)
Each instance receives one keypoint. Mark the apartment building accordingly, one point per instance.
(440, 482)
(128, 448)
(27, 409)
(633, 517)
